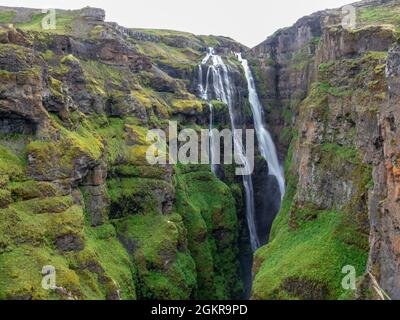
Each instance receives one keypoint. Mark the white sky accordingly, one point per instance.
(247, 21)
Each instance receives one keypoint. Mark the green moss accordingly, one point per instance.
(114, 136)
(21, 275)
(219, 106)
(96, 31)
(114, 264)
(306, 262)
(18, 53)
(165, 269)
(286, 135)
(31, 189)
(70, 58)
(177, 58)
(5, 197)
(56, 88)
(11, 164)
(63, 25)
(380, 15)
(187, 106)
(100, 76)
(313, 252)
(300, 59)
(208, 210)
(29, 230)
(67, 149)
(7, 16)
(135, 196)
(375, 55)
(48, 55)
(44, 205)
(143, 98)
(333, 152)
(325, 67)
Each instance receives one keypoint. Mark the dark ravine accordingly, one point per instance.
(77, 193)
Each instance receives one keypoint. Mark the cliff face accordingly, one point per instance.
(76, 191)
(331, 96)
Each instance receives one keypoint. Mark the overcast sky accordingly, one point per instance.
(247, 21)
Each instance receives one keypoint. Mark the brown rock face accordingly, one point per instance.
(21, 86)
(384, 262)
(334, 84)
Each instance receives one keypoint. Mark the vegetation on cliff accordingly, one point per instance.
(323, 223)
(77, 193)
(76, 190)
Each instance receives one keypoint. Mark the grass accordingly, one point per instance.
(334, 152)
(103, 247)
(314, 251)
(165, 268)
(7, 16)
(60, 156)
(136, 196)
(11, 164)
(187, 106)
(380, 15)
(99, 75)
(207, 206)
(21, 273)
(63, 23)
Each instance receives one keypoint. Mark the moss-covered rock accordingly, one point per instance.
(323, 223)
(208, 211)
(77, 192)
(165, 268)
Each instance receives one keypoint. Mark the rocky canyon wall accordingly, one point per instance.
(77, 193)
(331, 99)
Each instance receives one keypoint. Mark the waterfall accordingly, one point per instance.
(266, 145)
(211, 139)
(203, 90)
(222, 90)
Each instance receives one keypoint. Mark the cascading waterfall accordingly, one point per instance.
(222, 89)
(204, 95)
(211, 138)
(266, 145)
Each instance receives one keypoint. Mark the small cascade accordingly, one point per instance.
(217, 76)
(266, 145)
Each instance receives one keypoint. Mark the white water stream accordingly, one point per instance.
(266, 145)
(218, 73)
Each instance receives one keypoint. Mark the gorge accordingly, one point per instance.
(77, 193)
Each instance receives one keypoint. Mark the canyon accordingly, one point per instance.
(77, 193)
